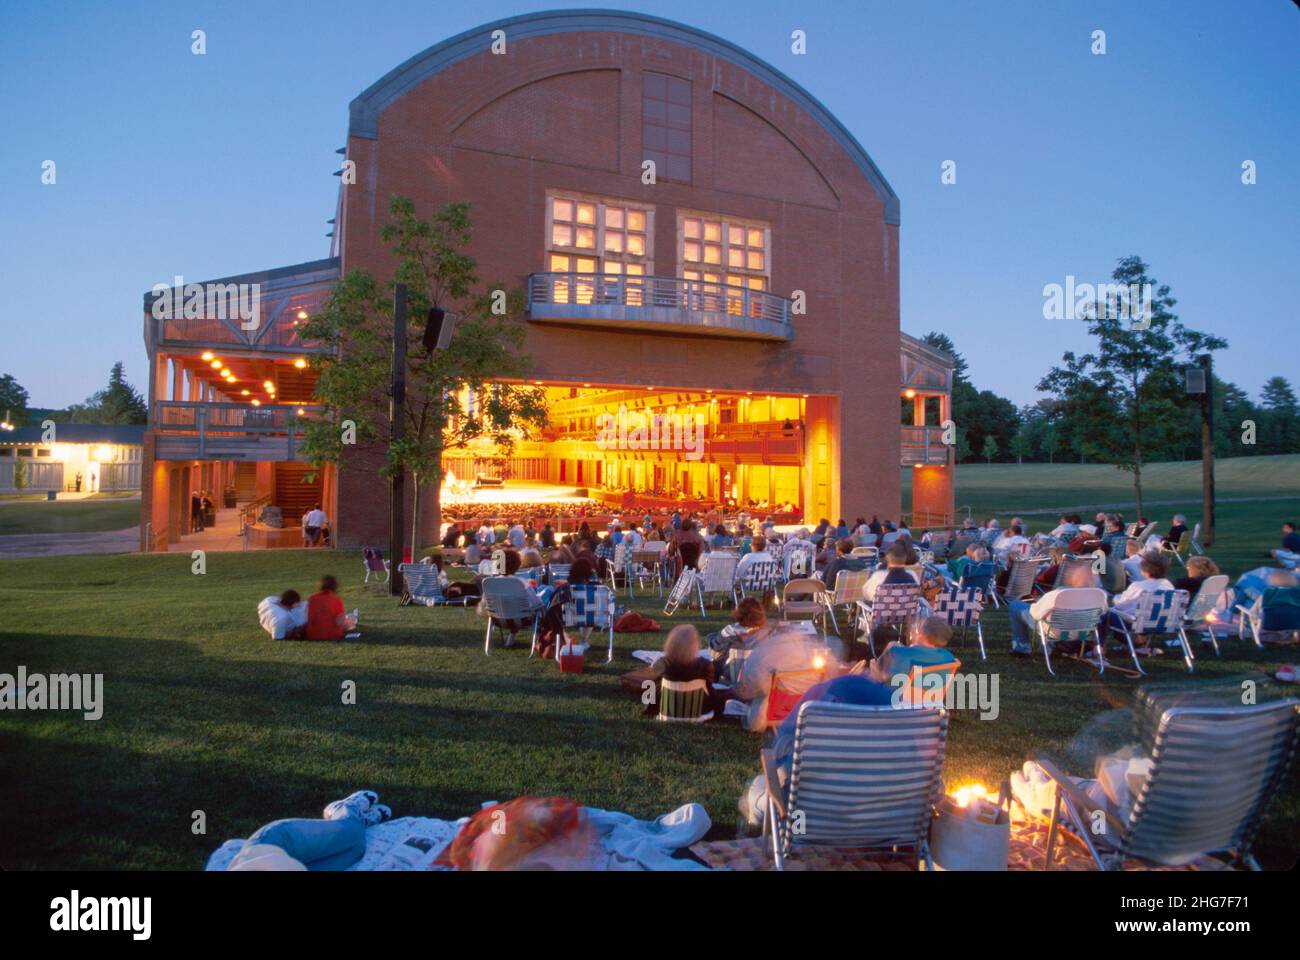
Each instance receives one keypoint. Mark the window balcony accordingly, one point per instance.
(664, 304)
(924, 446)
(193, 430)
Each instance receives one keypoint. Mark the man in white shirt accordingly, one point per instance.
(632, 539)
(1155, 570)
(1025, 616)
(486, 536)
(757, 553)
(516, 536)
(313, 522)
(1013, 542)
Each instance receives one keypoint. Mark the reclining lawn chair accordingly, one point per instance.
(684, 701)
(846, 592)
(1276, 610)
(981, 576)
(683, 587)
(787, 689)
(590, 607)
(1214, 772)
(423, 585)
(896, 604)
(1065, 624)
(1180, 550)
(717, 575)
(555, 572)
(869, 555)
(861, 778)
(376, 565)
(961, 607)
(1020, 578)
(1196, 617)
(1196, 541)
(509, 605)
(1157, 612)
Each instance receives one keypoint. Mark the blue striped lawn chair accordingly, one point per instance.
(1214, 772)
(590, 607)
(980, 576)
(896, 604)
(1118, 545)
(531, 573)
(1157, 612)
(556, 572)
(870, 557)
(961, 607)
(424, 586)
(1066, 625)
(760, 577)
(684, 701)
(860, 778)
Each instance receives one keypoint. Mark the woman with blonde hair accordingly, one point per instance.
(682, 663)
(1199, 569)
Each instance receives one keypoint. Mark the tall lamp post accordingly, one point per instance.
(1200, 381)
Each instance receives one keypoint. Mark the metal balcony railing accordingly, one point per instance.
(923, 445)
(193, 430)
(665, 303)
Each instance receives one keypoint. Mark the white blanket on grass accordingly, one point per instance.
(629, 843)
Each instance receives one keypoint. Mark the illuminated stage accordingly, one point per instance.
(512, 491)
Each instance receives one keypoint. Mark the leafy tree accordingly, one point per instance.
(119, 402)
(453, 396)
(976, 412)
(990, 448)
(1127, 396)
(1021, 444)
(13, 398)
(1279, 421)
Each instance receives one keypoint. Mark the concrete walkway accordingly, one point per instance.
(67, 544)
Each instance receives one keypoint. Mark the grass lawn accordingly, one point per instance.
(94, 515)
(204, 712)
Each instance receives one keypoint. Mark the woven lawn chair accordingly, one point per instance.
(683, 588)
(424, 586)
(896, 604)
(1214, 772)
(619, 566)
(961, 607)
(591, 607)
(760, 577)
(1020, 578)
(1180, 550)
(376, 565)
(846, 592)
(506, 601)
(1118, 545)
(800, 559)
(1157, 612)
(717, 575)
(531, 573)
(810, 607)
(981, 577)
(1070, 625)
(1196, 617)
(556, 572)
(493, 566)
(684, 701)
(861, 778)
(648, 563)
(870, 555)
(1277, 610)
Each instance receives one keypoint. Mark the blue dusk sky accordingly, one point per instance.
(205, 166)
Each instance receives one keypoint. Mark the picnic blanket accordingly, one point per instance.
(628, 843)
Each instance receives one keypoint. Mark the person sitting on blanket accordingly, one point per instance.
(333, 843)
(749, 629)
(1289, 552)
(474, 587)
(283, 617)
(327, 618)
(929, 647)
(682, 663)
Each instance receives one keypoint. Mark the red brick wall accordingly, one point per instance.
(564, 112)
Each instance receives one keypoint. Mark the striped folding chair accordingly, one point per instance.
(1118, 545)
(619, 566)
(531, 573)
(684, 701)
(760, 577)
(424, 586)
(1275, 611)
(591, 607)
(1021, 572)
(717, 575)
(787, 689)
(870, 557)
(961, 607)
(648, 563)
(556, 572)
(508, 604)
(1214, 772)
(1198, 616)
(846, 592)
(376, 565)
(685, 585)
(800, 560)
(1065, 625)
(861, 778)
(1157, 612)
(896, 604)
(1180, 550)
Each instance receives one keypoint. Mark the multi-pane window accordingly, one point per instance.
(666, 125)
(731, 252)
(599, 237)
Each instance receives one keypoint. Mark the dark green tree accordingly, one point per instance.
(119, 402)
(13, 400)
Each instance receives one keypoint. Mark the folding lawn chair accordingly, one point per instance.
(1276, 610)
(1020, 578)
(507, 601)
(860, 779)
(760, 577)
(717, 575)
(896, 604)
(591, 607)
(376, 565)
(684, 701)
(1196, 617)
(1157, 612)
(845, 592)
(961, 607)
(802, 599)
(423, 585)
(1074, 625)
(683, 587)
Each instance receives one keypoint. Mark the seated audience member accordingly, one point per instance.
(516, 536)
(687, 544)
(757, 552)
(895, 571)
(451, 539)
(1012, 542)
(1046, 578)
(583, 569)
(1289, 552)
(750, 627)
(1199, 569)
(1155, 570)
(283, 617)
(784, 650)
(327, 618)
(1176, 531)
(632, 539)
(547, 536)
(1133, 559)
(841, 530)
(843, 560)
(719, 540)
(1066, 529)
(1075, 593)
(929, 647)
(682, 663)
(529, 558)
(974, 553)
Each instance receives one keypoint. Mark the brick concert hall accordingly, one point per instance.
(752, 288)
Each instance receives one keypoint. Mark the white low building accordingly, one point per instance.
(76, 458)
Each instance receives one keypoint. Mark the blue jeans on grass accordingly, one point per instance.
(316, 844)
(1022, 626)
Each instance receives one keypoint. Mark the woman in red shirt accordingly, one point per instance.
(327, 619)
